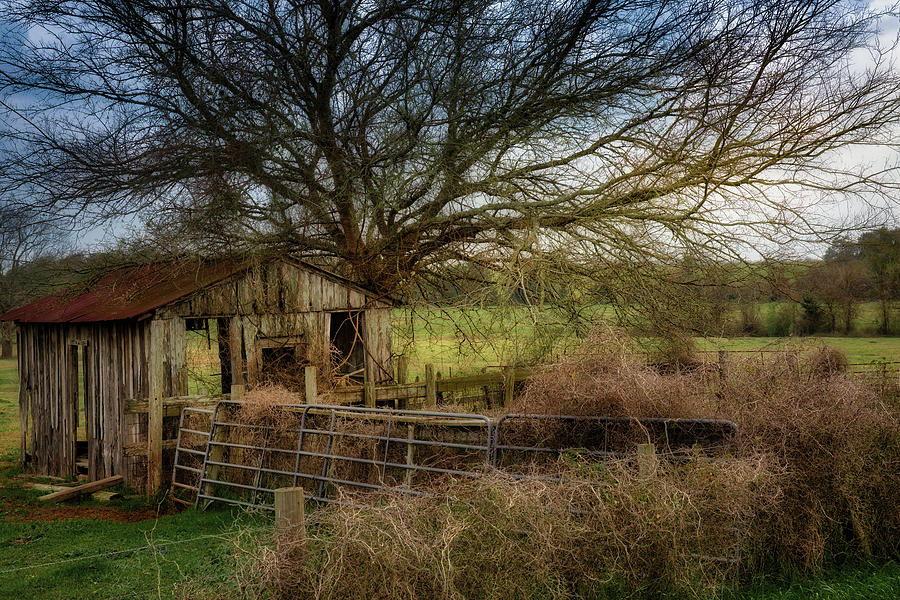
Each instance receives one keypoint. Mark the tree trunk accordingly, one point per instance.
(6, 348)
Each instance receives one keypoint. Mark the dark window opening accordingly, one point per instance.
(347, 349)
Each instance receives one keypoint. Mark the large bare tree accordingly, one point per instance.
(396, 137)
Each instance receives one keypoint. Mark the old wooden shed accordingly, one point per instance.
(126, 337)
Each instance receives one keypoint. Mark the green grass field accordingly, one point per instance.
(81, 551)
(461, 342)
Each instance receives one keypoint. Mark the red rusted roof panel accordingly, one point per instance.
(124, 294)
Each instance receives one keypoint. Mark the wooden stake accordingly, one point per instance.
(289, 506)
(647, 461)
(430, 387)
(369, 393)
(410, 453)
(309, 382)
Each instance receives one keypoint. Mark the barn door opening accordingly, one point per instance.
(82, 433)
(208, 356)
(347, 348)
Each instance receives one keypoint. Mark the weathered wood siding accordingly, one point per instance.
(271, 288)
(285, 300)
(116, 360)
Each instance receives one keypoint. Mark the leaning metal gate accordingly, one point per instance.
(239, 453)
(336, 453)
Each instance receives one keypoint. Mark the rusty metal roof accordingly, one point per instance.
(125, 294)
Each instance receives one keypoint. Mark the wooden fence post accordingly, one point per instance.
(430, 387)
(369, 394)
(403, 369)
(647, 461)
(410, 453)
(309, 382)
(509, 382)
(289, 506)
(723, 364)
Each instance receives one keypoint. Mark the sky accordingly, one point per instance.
(880, 210)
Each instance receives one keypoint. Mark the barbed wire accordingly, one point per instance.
(149, 546)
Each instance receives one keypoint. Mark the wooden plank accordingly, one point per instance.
(80, 490)
(399, 392)
(132, 449)
(101, 496)
(172, 406)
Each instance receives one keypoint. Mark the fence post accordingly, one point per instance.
(403, 369)
(430, 387)
(647, 461)
(309, 382)
(289, 505)
(410, 453)
(509, 382)
(290, 523)
(369, 393)
(723, 364)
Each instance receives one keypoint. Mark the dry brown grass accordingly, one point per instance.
(813, 476)
(833, 441)
(500, 538)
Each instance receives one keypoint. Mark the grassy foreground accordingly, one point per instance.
(87, 550)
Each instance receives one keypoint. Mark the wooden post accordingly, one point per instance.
(289, 518)
(647, 461)
(430, 387)
(509, 382)
(23, 397)
(402, 379)
(237, 391)
(309, 382)
(403, 369)
(723, 364)
(410, 453)
(158, 330)
(369, 394)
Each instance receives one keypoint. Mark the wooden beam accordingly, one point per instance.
(140, 448)
(80, 490)
(158, 333)
(172, 406)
